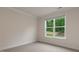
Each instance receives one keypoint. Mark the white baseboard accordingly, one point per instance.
(12, 46)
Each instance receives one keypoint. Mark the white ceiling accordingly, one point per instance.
(40, 11)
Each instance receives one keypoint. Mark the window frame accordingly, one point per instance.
(54, 26)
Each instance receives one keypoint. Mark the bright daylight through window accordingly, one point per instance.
(55, 27)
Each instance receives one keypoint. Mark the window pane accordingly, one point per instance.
(49, 23)
(60, 21)
(49, 29)
(59, 31)
(49, 32)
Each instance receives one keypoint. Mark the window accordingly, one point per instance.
(55, 28)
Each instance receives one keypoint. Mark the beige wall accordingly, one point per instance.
(16, 28)
(72, 29)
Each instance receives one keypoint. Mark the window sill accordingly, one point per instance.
(47, 37)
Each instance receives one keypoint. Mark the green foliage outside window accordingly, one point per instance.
(50, 23)
(61, 29)
(50, 29)
(60, 21)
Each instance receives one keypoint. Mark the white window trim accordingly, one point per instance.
(54, 29)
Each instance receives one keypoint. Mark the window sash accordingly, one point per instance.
(54, 31)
